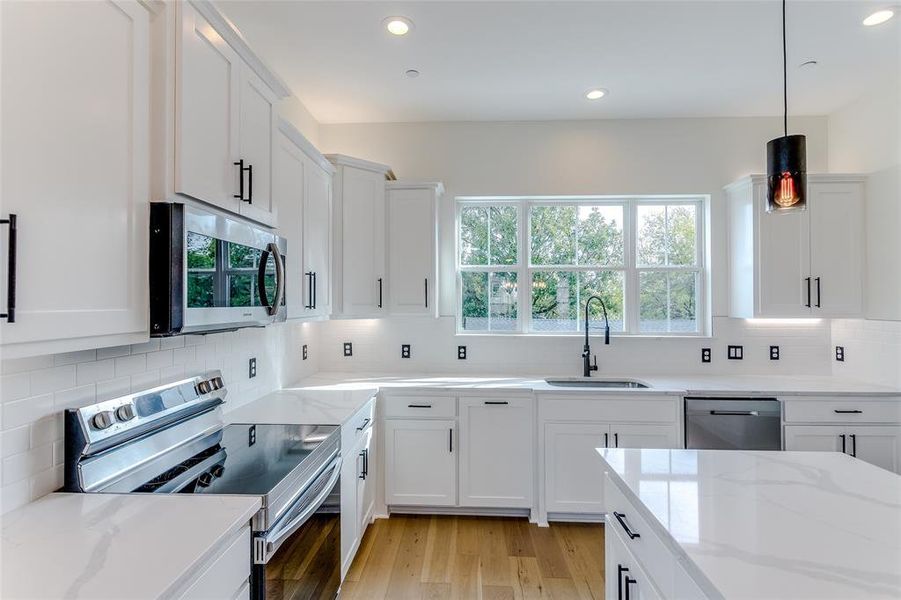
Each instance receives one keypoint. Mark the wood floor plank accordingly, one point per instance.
(468, 535)
(583, 549)
(527, 581)
(466, 582)
(497, 592)
(519, 542)
(377, 573)
(440, 547)
(435, 591)
(561, 589)
(493, 553)
(406, 573)
(547, 550)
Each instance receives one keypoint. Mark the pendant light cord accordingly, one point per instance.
(784, 75)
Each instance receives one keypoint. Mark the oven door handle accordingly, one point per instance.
(275, 537)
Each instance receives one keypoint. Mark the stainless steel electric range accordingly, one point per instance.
(172, 439)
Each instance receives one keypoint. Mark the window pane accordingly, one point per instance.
(503, 235)
(682, 223)
(555, 299)
(475, 301)
(240, 290)
(668, 302)
(242, 257)
(474, 235)
(503, 302)
(553, 233)
(201, 251)
(200, 290)
(651, 231)
(609, 286)
(600, 237)
(558, 300)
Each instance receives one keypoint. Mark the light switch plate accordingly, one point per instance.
(252, 368)
(774, 352)
(736, 352)
(840, 353)
(348, 349)
(405, 350)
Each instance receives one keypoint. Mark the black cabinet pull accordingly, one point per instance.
(426, 292)
(619, 581)
(629, 581)
(419, 406)
(241, 170)
(853, 437)
(363, 426)
(380, 292)
(621, 517)
(309, 276)
(362, 474)
(606, 444)
(839, 411)
(818, 293)
(10, 314)
(314, 290)
(366, 461)
(250, 184)
(450, 439)
(616, 440)
(842, 436)
(497, 402)
(807, 304)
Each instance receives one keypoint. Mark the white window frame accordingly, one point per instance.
(524, 269)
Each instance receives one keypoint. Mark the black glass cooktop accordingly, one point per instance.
(259, 457)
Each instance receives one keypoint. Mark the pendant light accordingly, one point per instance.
(786, 156)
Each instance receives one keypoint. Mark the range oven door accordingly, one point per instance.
(301, 552)
(210, 271)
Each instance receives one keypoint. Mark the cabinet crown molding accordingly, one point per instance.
(233, 37)
(410, 184)
(342, 160)
(304, 144)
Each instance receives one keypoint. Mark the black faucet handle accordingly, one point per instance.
(594, 366)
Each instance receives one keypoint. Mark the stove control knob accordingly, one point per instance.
(126, 412)
(103, 419)
(217, 471)
(205, 480)
(203, 387)
(216, 383)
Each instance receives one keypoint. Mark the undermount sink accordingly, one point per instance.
(598, 383)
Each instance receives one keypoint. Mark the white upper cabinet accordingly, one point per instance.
(225, 120)
(75, 173)
(797, 264)
(359, 281)
(302, 184)
(412, 226)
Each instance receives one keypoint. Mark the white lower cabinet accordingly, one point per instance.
(876, 444)
(625, 579)
(358, 473)
(227, 575)
(496, 452)
(421, 462)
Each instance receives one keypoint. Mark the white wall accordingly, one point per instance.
(35, 391)
(679, 156)
(293, 110)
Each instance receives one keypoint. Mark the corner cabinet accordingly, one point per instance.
(807, 263)
(412, 232)
(359, 281)
(225, 117)
(302, 189)
(76, 173)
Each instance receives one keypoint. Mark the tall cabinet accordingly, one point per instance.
(359, 282)
(76, 170)
(412, 232)
(302, 190)
(806, 263)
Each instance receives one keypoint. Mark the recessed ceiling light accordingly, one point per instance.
(878, 17)
(596, 93)
(398, 25)
(411, 73)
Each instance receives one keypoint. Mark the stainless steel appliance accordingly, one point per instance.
(172, 439)
(211, 271)
(733, 423)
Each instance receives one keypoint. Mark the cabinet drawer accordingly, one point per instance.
(832, 409)
(418, 407)
(227, 574)
(643, 543)
(645, 409)
(357, 425)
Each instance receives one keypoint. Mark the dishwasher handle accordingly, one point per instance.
(735, 413)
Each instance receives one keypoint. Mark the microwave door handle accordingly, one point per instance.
(274, 538)
(272, 249)
(279, 277)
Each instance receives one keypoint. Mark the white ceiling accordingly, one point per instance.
(535, 60)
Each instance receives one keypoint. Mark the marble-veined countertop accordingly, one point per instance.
(770, 525)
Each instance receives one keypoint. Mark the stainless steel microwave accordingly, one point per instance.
(210, 271)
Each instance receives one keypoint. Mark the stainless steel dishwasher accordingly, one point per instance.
(733, 423)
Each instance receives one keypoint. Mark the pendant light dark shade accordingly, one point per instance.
(786, 156)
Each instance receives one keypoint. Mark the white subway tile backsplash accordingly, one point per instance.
(183, 355)
(158, 360)
(129, 365)
(75, 398)
(13, 441)
(113, 352)
(144, 381)
(52, 380)
(15, 387)
(20, 466)
(95, 371)
(172, 342)
(71, 358)
(47, 430)
(46, 482)
(22, 365)
(149, 346)
(29, 410)
(15, 495)
(113, 388)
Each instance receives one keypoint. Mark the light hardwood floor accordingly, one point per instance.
(476, 558)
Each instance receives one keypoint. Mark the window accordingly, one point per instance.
(530, 264)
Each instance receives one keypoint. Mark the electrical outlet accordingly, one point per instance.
(305, 353)
(736, 352)
(348, 349)
(252, 368)
(252, 435)
(840, 353)
(405, 350)
(461, 352)
(774, 352)
(705, 355)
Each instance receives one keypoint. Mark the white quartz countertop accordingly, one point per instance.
(770, 525)
(114, 546)
(305, 403)
(701, 385)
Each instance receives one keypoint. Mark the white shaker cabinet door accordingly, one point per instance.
(496, 452)
(317, 227)
(420, 462)
(877, 445)
(75, 145)
(816, 438)
(257, 128)
(208, 73)
(412, 244)
(574, 479)
(363, 247)
(644, 435)
(288, 188)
